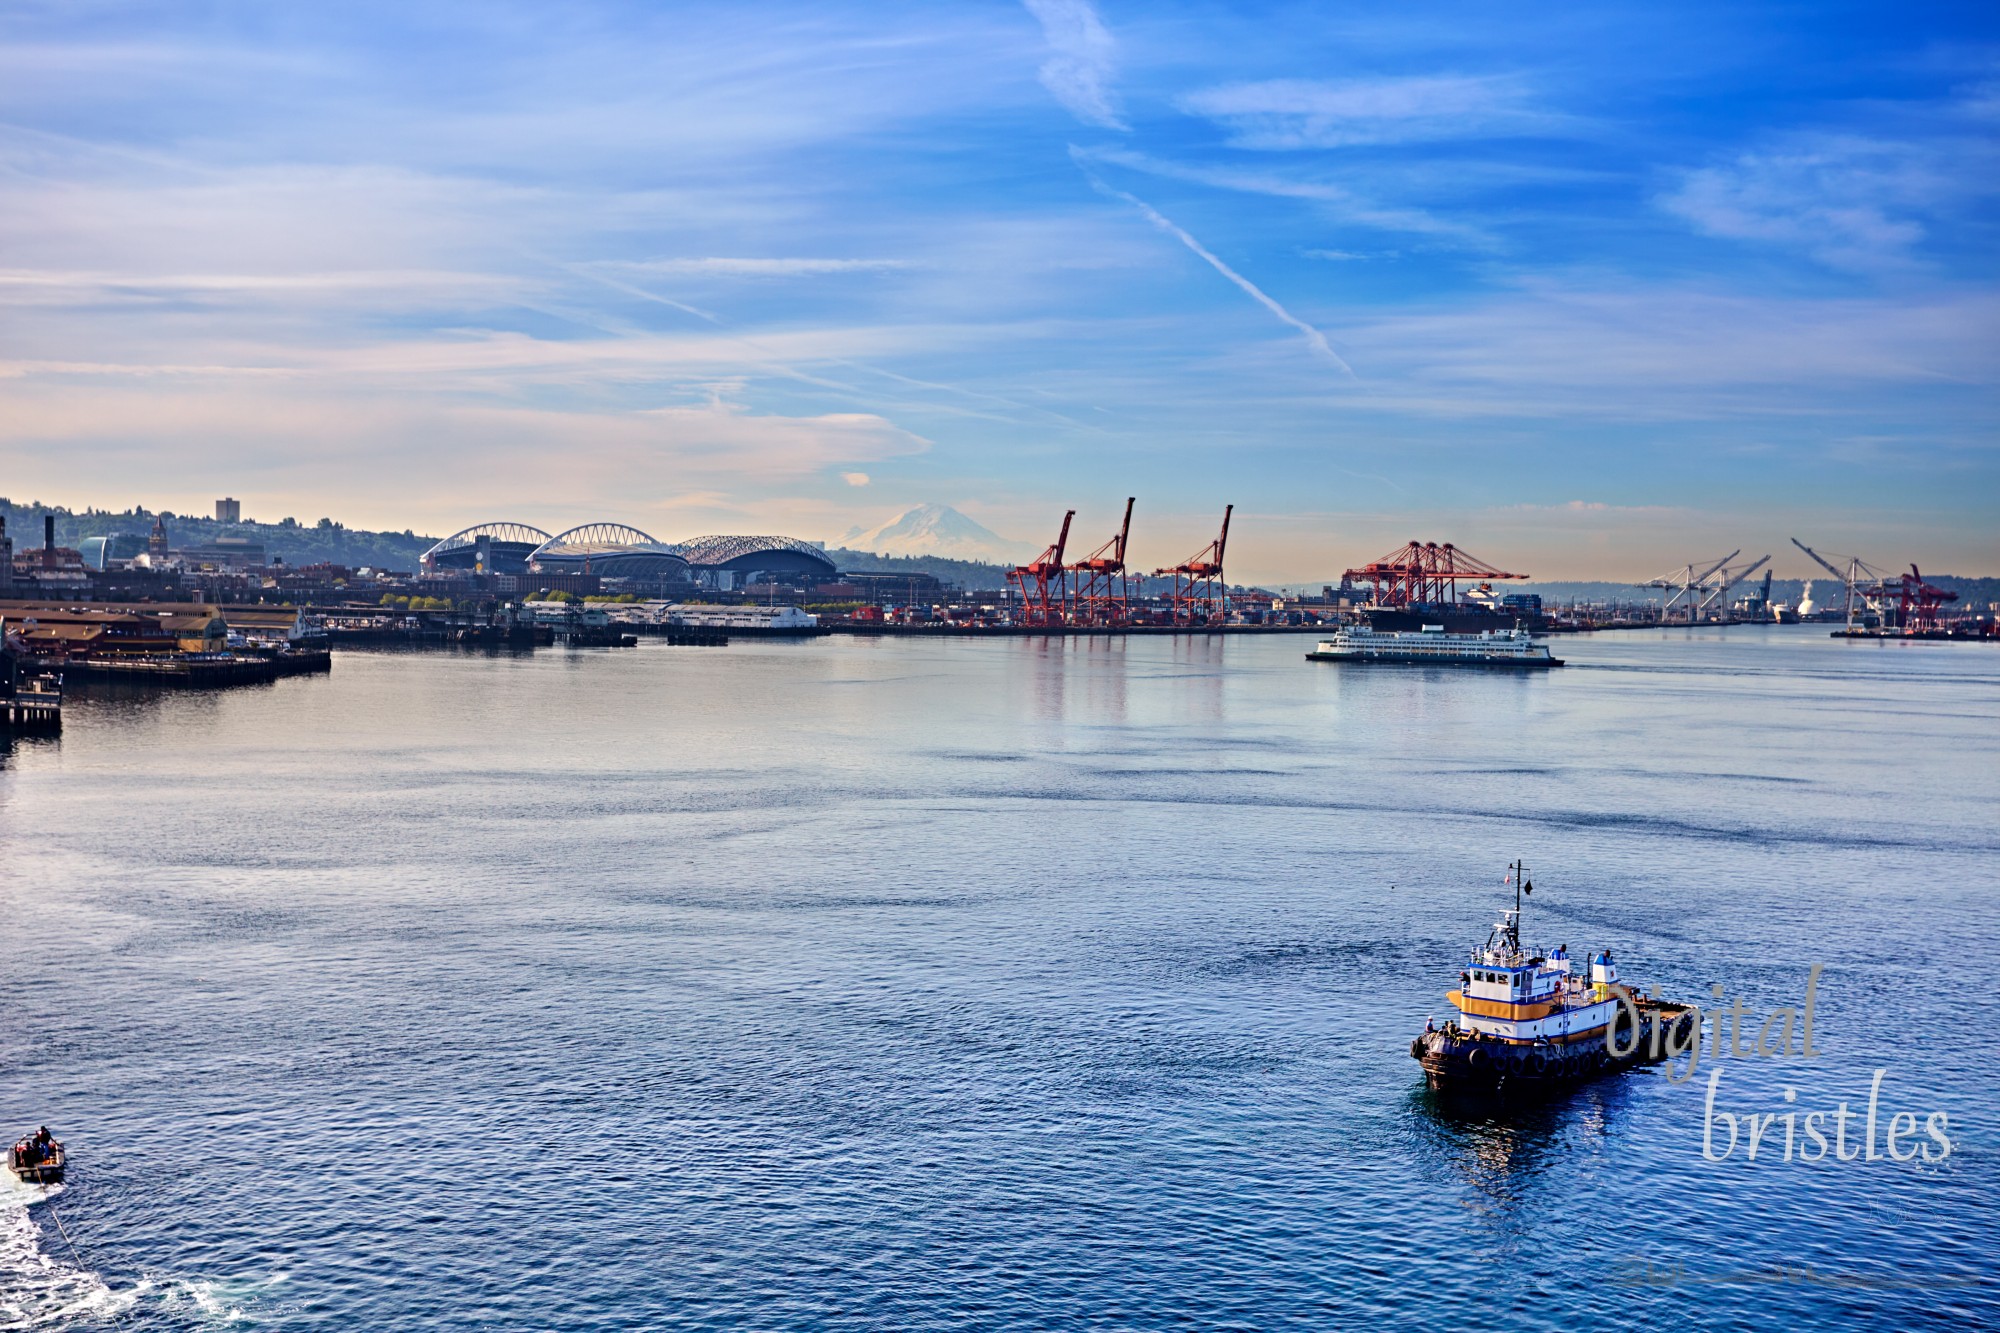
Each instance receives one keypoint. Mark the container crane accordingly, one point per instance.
(1686, 583)
(1858, 575)
(1032, 583)
(1725, 579)
(1199, 595)
(1424, 574)
(1100, 583)
(1919, 602)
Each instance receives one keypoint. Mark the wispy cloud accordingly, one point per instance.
(1850, 203)
(804, 234)
(1282, 114)
(1314, 338)
(1580, 507)
(1082, 60)
(1350, 256)
(760, 268)
(1337, 200)
(1862, 202)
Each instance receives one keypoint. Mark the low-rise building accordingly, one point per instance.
(52, 629)
(769, 619)
(223, 553)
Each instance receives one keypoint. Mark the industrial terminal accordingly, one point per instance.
(142, 609)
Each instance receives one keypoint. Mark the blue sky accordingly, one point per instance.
(1591, 290)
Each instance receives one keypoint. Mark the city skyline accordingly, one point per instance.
(1590, 303)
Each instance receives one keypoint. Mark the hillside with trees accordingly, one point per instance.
(294, 542)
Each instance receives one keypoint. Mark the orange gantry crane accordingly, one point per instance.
(1199, 596)
(1099, 582)
(1042, 584)
(1425, 574)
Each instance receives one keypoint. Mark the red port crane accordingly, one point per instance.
(1033, 581)
(1199, 596)
(1424, 574)
(1918, 602)
(1100, 582)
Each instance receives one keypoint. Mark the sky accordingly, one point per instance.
(1590, 290)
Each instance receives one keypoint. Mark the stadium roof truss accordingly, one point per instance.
(593, 538)
(498, 534)
(718, 552)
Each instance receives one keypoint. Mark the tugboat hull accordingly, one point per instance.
(1457, 1061)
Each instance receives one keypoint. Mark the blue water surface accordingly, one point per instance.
(937, 985)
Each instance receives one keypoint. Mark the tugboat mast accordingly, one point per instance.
(1519, 870)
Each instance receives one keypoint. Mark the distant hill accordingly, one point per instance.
(972, 575)
(296, 543)
(934, 530)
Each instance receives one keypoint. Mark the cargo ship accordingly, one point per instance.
(1526, 1021)
(1508, 649)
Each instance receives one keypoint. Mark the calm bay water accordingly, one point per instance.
(960, 985)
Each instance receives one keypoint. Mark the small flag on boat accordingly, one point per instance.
(1529, 887)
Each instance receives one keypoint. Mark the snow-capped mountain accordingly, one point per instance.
(933, 529)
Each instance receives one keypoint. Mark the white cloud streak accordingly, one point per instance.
(1079, 69)
(1283, 114)
(760, 268)
(1314, 338)
(1849, 203)
(1336, 200)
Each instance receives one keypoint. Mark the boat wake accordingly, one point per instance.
(38, 1290)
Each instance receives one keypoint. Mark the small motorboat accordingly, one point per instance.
(37, 1159)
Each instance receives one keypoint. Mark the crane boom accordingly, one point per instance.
(1729, 578)
(1819, 559)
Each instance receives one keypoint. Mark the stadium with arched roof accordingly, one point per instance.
(493, 548)
(746, 556)
(610, 549)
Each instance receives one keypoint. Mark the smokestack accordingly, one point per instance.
(48, 532)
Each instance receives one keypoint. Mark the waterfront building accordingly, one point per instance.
(264, 626)
(753, 619)
(55, 629)
(909, 589)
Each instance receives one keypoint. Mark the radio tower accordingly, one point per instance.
(1100, 581)
(1199, 596)
(1033, 581)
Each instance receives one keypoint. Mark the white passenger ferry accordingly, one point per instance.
(1514, 649)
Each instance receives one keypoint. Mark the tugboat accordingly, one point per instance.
(1525, 1022)
(38, 1159)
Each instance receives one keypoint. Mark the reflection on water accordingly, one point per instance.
(1513, 1151)
(945, 985)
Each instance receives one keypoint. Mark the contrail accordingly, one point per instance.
(1314, 338)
